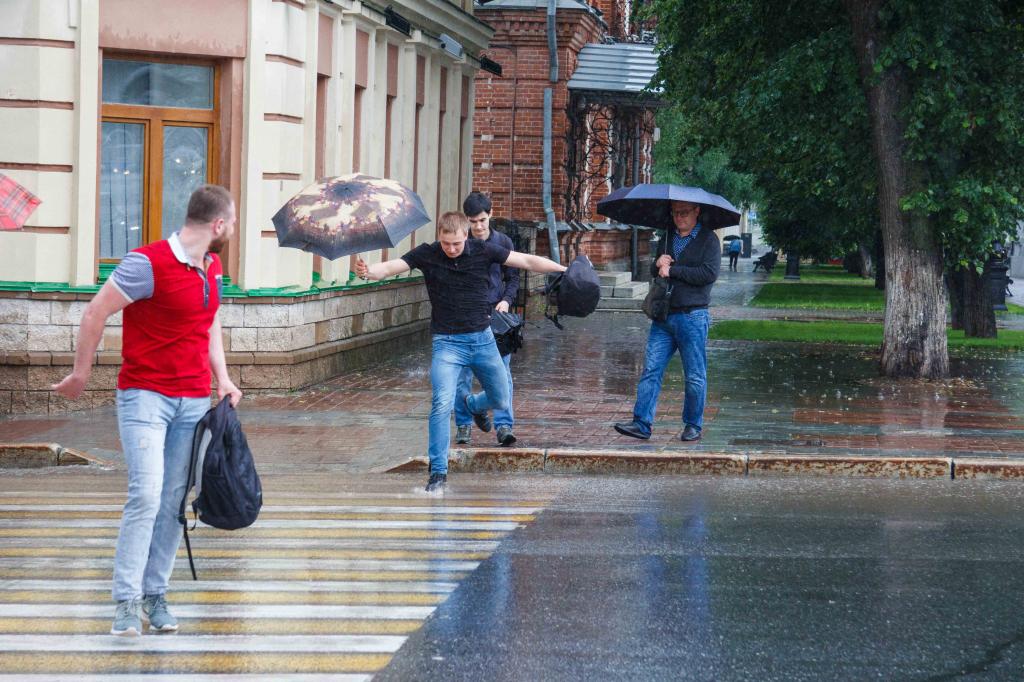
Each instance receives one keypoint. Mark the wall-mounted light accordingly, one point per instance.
(490, 66)
(397, 21)
(451, 45)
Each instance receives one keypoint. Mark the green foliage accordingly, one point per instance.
(775, 86)
(843, 332)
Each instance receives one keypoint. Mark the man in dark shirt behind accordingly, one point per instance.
(457, 274)
(503, 289)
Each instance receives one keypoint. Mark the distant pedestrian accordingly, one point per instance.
(690, 257)
(735, 246)
(457, 271)
(170, 291)
(504, 286)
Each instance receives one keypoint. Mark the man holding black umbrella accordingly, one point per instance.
(689, 257)
(457, 274)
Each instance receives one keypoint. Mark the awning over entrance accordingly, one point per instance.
(616, 69)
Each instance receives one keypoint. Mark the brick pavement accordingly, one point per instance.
(572, 385)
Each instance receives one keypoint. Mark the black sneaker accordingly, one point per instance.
(505, 435)
(482, 421)
(436, 482)
(463, 434)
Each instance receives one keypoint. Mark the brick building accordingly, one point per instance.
(112, 111)
(602, 121)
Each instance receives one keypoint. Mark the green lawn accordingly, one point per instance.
(814, 274)
(818, 295)
(843, 332)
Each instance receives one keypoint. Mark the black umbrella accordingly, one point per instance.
(349, 214)
(650, 205)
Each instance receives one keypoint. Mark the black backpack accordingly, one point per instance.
(508, 332)
(576, 291)
(228, 490)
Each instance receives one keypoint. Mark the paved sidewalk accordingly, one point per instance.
(572, 385)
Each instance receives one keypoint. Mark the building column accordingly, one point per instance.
(82, 235)
(251, 207)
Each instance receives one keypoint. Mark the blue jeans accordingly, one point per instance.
(687, 333)
(156, 436)
(462, 415)
(451, 354)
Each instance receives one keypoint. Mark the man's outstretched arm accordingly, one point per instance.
(383, 270)
(527, 261)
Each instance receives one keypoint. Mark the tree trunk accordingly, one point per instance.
(978, 316)
(865, 261)
(914, 341)
(879, 262)
(955, 288)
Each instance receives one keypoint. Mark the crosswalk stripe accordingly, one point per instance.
(216, 626)
(290, 509)
(207, 643)
(301, 524)
(143, 662)
(474, 551)
(227, 597)
(192, 677)
(107, 564)
(320, 498)
(240, 611)
(237, 573)
(255, 533)
(249, 586)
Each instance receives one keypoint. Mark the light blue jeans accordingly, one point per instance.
(451, 354)
(156, 436)
(462, 415)
(688, 334)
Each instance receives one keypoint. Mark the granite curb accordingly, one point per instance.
(37, 455)
(559, 461)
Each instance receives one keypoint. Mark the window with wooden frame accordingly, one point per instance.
(157, 140)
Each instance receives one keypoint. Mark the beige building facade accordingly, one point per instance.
(112, 111)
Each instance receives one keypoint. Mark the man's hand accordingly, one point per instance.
(362, 269)
(502, 306)
(663, 260)
(663, 269)
(71, 386)
(228, 388)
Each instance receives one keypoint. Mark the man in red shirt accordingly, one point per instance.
(170, 292)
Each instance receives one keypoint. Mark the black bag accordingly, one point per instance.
(656, 303)
(508, 332)
(228, 490)
(577, 291)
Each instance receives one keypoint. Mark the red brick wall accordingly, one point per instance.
(601, 246)
(508, 128)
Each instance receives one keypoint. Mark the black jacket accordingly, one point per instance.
(695, 271)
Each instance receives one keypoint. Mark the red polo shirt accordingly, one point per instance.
(166, 335)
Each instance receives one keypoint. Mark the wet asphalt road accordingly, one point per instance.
(740, 579)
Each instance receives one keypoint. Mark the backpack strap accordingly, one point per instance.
(548, 290)
(197, 439)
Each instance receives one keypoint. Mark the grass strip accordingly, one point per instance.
(858, 333)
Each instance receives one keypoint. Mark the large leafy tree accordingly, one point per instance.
(899, 115)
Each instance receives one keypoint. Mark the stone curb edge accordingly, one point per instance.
(556, 461)
(38, 455)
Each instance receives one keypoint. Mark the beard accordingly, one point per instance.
(217, 245)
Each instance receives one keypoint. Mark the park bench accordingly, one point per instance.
(766, 262)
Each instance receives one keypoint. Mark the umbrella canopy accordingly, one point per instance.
(649, 205)
(16, 204)
(730, 237)
(349, 214)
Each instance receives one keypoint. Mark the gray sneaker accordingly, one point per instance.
(127, 622)
(505, 436)
(160, 619)
(463, 434)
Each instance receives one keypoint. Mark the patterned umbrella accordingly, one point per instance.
(16, 204)
(349, 214)
(649, 205)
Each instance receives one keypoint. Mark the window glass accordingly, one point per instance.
(157, 84)
(122, 157)
(184, 170)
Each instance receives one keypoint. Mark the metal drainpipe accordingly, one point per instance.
(634, 244)
(553, 77)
